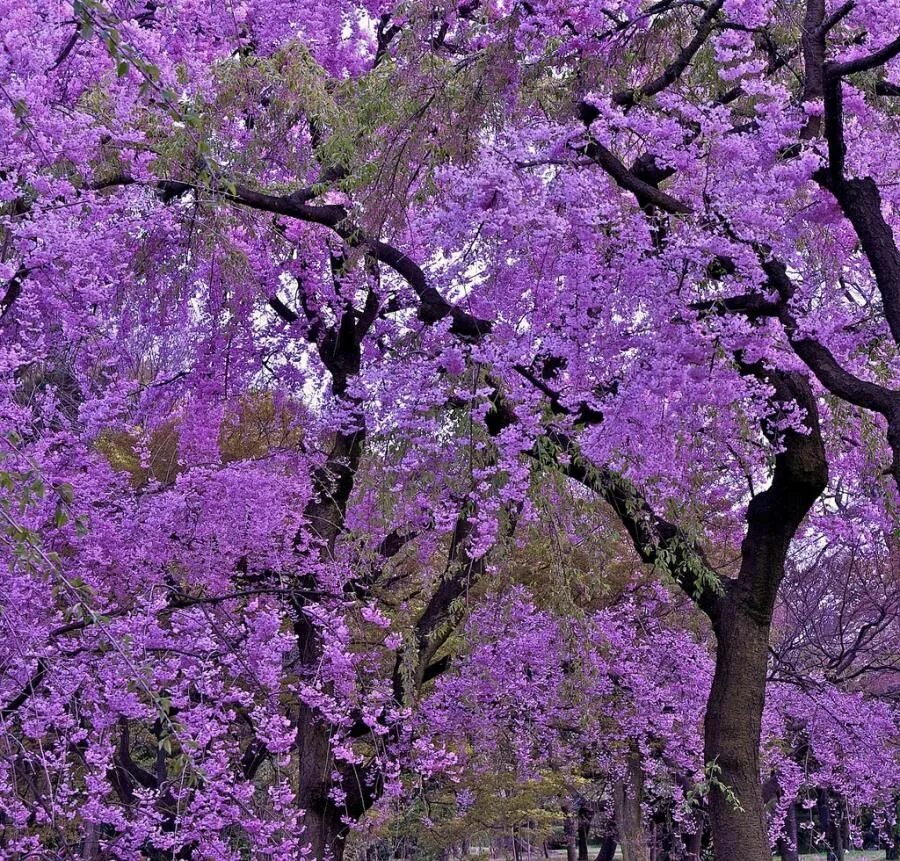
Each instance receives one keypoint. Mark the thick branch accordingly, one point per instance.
(646, 194)
(657, 541)
(864, 64)
(773, 516)
(672, 72)
(432, 306)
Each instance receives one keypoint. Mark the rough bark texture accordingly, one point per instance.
(732, 735)
(741, 623)
(629, 821)
(585, 815)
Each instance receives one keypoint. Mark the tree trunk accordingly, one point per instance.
(741, 619)
(607, 847)
(323, 830)
(585, 815)
(831, 821)
(570, 829)
(629, 821)
(732, 734)
(787, 846)
(693, 844)
(90, 847)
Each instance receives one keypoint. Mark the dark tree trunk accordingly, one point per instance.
(741, 619)
(740, 609)
(669, 842)
(831, 818)
(607, 847)
(570, 829)
(732, 734)
(788, 847)
(324, 831)
(693, 844)
(584, 824)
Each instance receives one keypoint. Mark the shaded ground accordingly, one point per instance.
(868, 855)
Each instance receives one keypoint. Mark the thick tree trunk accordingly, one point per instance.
(629, 822)
(741, 619)
(584, 823)
(732, 734)
(324, 832)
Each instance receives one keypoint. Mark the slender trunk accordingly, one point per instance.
(607, 847)
(831, 824)
(570, 829)
(892, 838)
(514, 842)
(90, 847)
(584, 824)
(787, 845)
(629, 821)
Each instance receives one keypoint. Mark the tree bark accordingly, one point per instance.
(570, 829)
(629, 821)
(732, 735)
(741, 621)
(607, 846)
(788, 846)
(693, 844)
(585, 815)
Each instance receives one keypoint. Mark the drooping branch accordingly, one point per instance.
(657, 541)
(27, 691)
(432, 306)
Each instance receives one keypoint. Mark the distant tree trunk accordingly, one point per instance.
(629, 821)
(516, 846)
(607, 847)
(585, 815)
(90, 846)
(787, 846)
(570, 829)
(892, 840)
(669, 842)
(831, 819)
